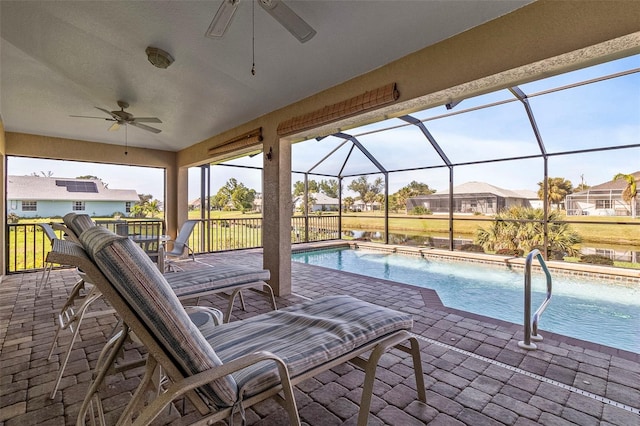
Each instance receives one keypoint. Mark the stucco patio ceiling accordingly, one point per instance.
(65, 58)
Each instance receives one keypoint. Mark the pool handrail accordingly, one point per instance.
(531, 322)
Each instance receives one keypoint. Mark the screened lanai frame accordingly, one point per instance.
(353, 143)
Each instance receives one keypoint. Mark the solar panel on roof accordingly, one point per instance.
(78, 186)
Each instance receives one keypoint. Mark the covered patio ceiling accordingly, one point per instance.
(66, 58)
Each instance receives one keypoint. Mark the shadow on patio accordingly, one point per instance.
(475, 373)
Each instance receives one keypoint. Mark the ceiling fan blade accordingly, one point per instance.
(288, 19)
(145, 127)
(86, 116)
(115, 126)
(222, 19)
(115, 117)
(146, 120)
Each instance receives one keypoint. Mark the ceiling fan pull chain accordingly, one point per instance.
(253, 37)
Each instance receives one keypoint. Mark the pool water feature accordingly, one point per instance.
(596, 311)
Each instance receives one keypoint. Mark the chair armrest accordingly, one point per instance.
(181, 387)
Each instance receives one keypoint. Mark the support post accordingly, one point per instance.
(276, 236)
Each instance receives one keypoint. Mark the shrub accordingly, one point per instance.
(510, 252)
(419, 210)
(596, 259)
(13, 218)
(551, 253)
(472, 248)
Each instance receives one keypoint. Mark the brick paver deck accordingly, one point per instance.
(474, 371)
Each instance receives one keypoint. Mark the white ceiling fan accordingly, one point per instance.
(123, 117)
(276, 8)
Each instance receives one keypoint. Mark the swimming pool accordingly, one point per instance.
(590, 310)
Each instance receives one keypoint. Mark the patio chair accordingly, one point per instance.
(234, 365)
(44, 279)
(180, 246)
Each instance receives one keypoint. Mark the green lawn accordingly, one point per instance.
(607, 232)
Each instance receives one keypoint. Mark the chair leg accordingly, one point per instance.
(232, 299)
(417, 369)
(75, 321)
(44, 279)
(152, 370)
(372, 364)
(66, 313)
(106, 359)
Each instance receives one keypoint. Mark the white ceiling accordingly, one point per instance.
(62, 58)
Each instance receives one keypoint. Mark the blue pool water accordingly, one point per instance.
(595, 311)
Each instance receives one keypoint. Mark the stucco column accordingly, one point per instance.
(3, 207)
(177, 194)
(276, 234)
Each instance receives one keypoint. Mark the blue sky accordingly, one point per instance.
(602, 114)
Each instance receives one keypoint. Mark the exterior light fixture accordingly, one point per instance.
(158, 57)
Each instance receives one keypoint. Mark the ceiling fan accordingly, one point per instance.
(276, 8)
(123, 117)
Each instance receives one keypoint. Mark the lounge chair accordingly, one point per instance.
(235, 365)
(180, 246)
(225, 281)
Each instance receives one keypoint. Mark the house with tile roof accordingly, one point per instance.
(36, 196)
(604, 199)
(475, 197)
(319, 202)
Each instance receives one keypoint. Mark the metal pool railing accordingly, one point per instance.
(531, 322)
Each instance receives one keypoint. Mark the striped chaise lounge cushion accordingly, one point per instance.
(78, 223)
(199, 281)
(143, 287)
(305, 336)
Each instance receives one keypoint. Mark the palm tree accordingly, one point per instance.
(507, 233)
(630, 193)
(558, 189)
(153, 207)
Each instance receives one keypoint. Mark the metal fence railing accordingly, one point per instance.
(28, 245)
(314, 228)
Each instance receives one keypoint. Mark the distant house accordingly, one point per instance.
(604, 199)
(361, 206)
(321, 202)
(195, 204)
(475, 197)
(257, 202)
(34, 196)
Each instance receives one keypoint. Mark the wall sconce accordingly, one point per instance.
(269, 154)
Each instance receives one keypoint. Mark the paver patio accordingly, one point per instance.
(474, 371)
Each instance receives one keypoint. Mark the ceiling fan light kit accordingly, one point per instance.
(158, 57)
